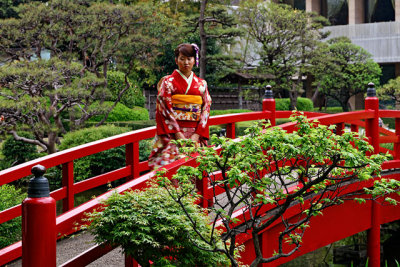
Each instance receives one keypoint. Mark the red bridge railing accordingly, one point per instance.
(66, 222)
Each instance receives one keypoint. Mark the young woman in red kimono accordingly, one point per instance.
(182, 110)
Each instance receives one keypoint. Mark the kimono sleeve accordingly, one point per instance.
(202, 128)
(166, 122)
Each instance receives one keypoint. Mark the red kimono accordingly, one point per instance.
(169, 122)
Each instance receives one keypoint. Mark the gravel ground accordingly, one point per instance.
(74, 245)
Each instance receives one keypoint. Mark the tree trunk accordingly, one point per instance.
(240, 95)
(203, 40)
(293, 98)
(51, 143)
(345, 105)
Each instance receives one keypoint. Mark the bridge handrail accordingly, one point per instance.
(131, 139)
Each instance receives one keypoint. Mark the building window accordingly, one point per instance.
(378, 11)
(296, 4)
(337, 11)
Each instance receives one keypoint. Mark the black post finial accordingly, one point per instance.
(38, 185)
(371, 92)
(268, 92)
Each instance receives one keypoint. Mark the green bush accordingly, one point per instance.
(17, 152)
(303, 104)
(133, 125)
(132, 97)
(228, 111)
(150, 226)
(10, 232)
(123, 113)
(104, 161)
(331, 110)
(282, 103)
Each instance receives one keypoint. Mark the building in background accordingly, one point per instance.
(371, 24)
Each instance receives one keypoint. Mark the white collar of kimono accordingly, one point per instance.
(187, 79)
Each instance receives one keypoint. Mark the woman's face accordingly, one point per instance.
(185, 64)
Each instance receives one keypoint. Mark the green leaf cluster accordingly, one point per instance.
(10, 232)
(150, 226)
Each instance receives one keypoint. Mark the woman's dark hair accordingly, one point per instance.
(186, 50)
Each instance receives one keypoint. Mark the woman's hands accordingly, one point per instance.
(179, 135)
(195, 137)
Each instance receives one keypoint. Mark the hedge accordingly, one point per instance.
(122, 113)
(303, 104)
(104, 161)
(10, 232)
(228, 111)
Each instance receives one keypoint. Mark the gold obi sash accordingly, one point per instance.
(187, 107)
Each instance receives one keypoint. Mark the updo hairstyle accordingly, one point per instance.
(186, 50)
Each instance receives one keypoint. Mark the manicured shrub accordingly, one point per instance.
(330, 110)
(98, 163)
(134, 125)
(123, 113)
(282, 103)
(132, 97)
(10, 232)
(303, 104)
(228, 111)
(150, 226)
(17, 152)
(104, 161)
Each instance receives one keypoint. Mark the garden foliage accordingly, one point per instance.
(303, 104)
(17, 152)
(131, 97)
(150, 226)
(121, 113)
(104, 161)
(10, 232)
(305, 168)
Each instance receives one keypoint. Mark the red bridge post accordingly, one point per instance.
(372, 125)
(39, 223)
(269, 104)
(372, 132)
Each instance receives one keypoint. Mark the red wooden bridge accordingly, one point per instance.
(342, 221)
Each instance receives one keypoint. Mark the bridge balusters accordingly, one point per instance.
(130, 262)
(397, 143)
(132, 159)
(230, 130)
(354, 128)
(269, 104)
(339, 128)
(68, 182)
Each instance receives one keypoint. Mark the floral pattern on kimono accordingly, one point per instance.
(164, 152)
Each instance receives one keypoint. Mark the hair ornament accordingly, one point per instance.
(196, 48)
